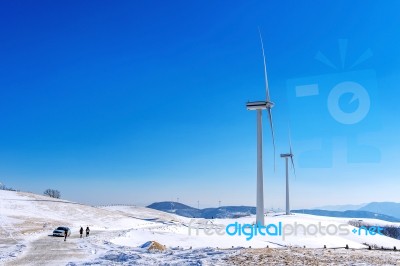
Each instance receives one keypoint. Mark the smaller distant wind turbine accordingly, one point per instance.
(287, 156)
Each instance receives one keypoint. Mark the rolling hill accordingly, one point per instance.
(387, 208)
(208, 213)
(350, 214)
(369, 211)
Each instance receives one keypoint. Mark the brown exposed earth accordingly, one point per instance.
(304, 256)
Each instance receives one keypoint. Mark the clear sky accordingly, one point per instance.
(143, 101)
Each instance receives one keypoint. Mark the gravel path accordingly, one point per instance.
(49, 250)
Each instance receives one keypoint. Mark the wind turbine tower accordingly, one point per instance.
(259, 106)
(287, 156)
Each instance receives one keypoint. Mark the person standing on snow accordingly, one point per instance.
(65, 234)
(81, 231)
(87, 231)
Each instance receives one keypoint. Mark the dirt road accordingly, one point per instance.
(49, 250)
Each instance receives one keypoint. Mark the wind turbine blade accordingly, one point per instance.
(265, 68)
(272, 131)
(291, 153)
(294, 169)
(290, 142)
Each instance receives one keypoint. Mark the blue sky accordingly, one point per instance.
(136, 102)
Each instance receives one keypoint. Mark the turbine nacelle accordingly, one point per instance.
(286, 155)
(259, 105)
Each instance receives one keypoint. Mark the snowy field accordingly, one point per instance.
(120, 233)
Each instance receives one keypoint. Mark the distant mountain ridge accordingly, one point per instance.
(176, 208)
(347, 207)
(208, 213)
(350, 214)
(387, 208)
(387, 211)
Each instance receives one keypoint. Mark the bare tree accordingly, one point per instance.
(53, 193)
(4, 187)
(392, 231)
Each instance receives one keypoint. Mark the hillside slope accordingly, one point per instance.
(119, 233)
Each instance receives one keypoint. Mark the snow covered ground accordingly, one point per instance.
(118, 232)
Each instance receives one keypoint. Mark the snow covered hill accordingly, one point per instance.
(120, 234)
(26, 212)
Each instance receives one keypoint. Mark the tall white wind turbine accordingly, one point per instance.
(259, 106)
(287, 156)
